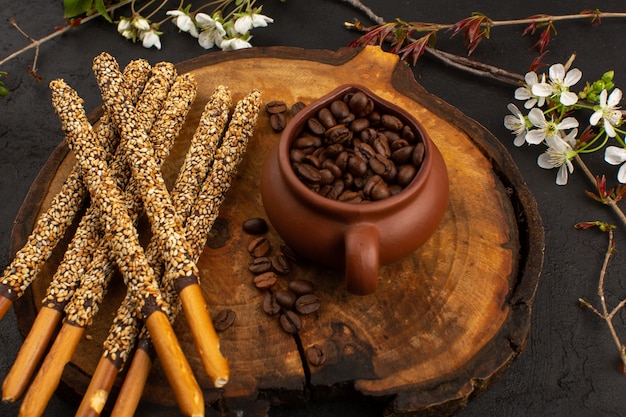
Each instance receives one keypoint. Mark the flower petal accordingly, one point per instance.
(621, 174)
(537, 117)
(614, 155)
(568, 123)
(615, 97)
(542, 90)
(595, 117)
(572, 77)
(562, 176)
(535, 136)
(557, 72)
(544, 162)
(568, 98)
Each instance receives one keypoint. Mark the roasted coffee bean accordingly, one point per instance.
(391, 135)
(270, 306)
(348, 119)
(364, 150)
(301, 286)
(296, 155)
(339, 109)
(315, 355)
(352, 197)
(296, 107)
(371, 183)
(326, 118)
(306, 142)
(359, 125)
(255, 226)
(358, 102)
(339, 134)
(315, 126)
(285, 298)
(290, 322)
(391, 122)
(397, 144)
(381, 165)
(395, 189)
(308, 173)
(280, 264)
(418, 154)
(275, 107)
(278, 122)
(405, 175)
(260, 265)
(374, 118)
(380, 191)
(326, 177)
(224, 319)
(330, 165)
(403, 155)
(342, 160)
(307, 304)
(357, 165)
(368, 135)
(266, 280)
(408, 134)
(337, 188)
(312, 160)
(381, 145)
(331, 151)
(259, 247)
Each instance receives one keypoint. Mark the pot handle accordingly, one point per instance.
(362, 242)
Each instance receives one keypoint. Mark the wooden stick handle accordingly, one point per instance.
(179, 374)
(133, 385)
(5, 305)
(99, 388)
(30, 354)
(197, 314)
(49, 375)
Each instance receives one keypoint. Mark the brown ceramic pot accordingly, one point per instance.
(357, 237)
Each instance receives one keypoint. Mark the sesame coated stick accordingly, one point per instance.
(52, 225)
(165, 222)
(197, 228)
(124, 245)
(125, 327)
(68, 274)
(88, 297)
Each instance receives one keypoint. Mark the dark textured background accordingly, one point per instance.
(570, 364)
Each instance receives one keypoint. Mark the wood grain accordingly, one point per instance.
(445, 322)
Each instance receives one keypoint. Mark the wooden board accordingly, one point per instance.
(445, 322)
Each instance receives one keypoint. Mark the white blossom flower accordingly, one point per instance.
(546, 129)
(141, 23)
(516, 123)
(232, 44)
(559, 85)
(212, 31)
(558, 155)
(126, 29)
(608, 111)
(616, 156)
(150, 38)
(526, 92)
(184, 22)
(250, 20)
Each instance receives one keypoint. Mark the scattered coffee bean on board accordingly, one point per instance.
(255, 226)
(224, 319)
(315, 355)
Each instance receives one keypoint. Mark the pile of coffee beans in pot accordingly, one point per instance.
(287, 297)
(352, 151)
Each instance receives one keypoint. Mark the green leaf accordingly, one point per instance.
(73, 8)
(102, 9)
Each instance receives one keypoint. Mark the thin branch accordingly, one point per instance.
(589, 175)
